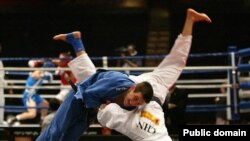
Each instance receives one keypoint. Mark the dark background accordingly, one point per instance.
(231, 19)
(27, 27)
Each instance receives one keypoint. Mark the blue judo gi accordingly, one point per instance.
(75, 114)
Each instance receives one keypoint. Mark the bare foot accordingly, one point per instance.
(76, 34)
(197, 17)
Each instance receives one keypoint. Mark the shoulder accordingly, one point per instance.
(116, 75)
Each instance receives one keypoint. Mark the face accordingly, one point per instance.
(130, 50)
(133, 99)
(64, 60)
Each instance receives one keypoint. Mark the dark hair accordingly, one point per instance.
(146, 89)
(66, 54)
(54, 104)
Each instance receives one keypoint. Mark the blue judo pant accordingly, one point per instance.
(70, 121)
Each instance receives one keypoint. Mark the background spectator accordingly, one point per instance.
(53, 106)
(221, 116)
(65, 75)
(126, 61)
(174, 108)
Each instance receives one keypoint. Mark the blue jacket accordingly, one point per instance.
(102, 86)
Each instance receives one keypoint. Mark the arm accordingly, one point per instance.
(37, 79)
(82, 67)
(132, 64)
(174, 63)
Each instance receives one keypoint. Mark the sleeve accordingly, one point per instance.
(172, 65)
(113, 117)
(82, 67)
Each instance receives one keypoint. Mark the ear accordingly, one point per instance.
(132, 88)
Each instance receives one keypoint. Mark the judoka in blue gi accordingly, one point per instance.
(80, 107)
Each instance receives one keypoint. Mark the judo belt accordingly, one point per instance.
(156, 99)
(90, 112)
(73, 86)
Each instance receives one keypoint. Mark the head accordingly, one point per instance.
(35, 63)
(65, 58)
(131, 49)
(54, 104)
(139, 94)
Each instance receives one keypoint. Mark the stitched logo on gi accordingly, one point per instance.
(121, 89)
(148, 128)
(151, 117)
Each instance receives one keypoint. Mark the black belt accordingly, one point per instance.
(90, 112)
(73, 86)
(154, 98)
